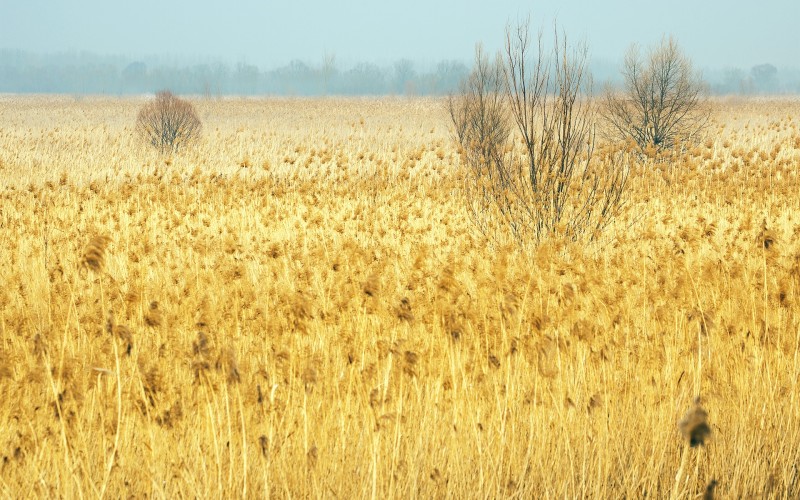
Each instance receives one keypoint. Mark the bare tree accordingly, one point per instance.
(482, 128)
(328, 70)
(542, 179)
(661, 101)
(168, 123)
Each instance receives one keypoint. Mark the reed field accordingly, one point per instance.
(300, 306)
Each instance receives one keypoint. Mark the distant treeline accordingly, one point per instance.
(88, 73)
(22, 72)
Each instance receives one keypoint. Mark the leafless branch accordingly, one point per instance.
(661, 102)
(168, 123)
(542, 179)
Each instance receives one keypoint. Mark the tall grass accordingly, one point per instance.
(301, 307)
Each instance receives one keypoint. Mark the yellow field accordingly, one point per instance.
(300, 307)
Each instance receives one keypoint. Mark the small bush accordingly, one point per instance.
(168, 123)
(661, 102)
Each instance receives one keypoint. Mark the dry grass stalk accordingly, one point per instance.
(504, 372)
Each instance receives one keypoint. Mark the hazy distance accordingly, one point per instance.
(716, 33)
(719, 35)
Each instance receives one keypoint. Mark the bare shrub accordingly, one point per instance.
(168, 123)
(482, 127)
(661, 101)
(541, 179)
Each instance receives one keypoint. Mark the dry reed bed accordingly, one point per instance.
(301, 307)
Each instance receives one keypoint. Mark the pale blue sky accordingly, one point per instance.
(715, 33)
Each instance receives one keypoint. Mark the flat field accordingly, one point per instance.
(300, 306)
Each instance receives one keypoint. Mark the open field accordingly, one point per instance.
(300, 307)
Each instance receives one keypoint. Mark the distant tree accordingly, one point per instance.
(327, 71)
(246, 77)
(404, 75)
(661, 100)
(168, 123)
(296, 78)
(448, 76)
(364, 79)
(134, 77)
(735, 81)
(135, 70)
(765, 77)
(201, 80)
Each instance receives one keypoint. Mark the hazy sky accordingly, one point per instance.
(716, 33)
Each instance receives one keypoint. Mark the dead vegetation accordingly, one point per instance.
(325, 321)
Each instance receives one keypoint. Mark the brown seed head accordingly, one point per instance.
(263, 442)
(153, 316)
(767, 238)
(694, 425)
(110, 323)
(372, 285)
(125, 335)
(709, 493)
(311, 457)
(403, 310)
(200, 346)
(310, 378)
(95, 253)
(227, 363)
